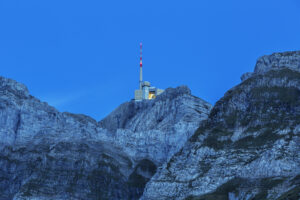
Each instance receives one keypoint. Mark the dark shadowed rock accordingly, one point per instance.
(246, 75)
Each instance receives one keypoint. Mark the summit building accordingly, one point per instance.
(146, 91)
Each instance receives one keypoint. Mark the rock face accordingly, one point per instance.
(249, 146)
(45, 154)
(246, 147)
(156, 129)
(276, 61)
(289, 60)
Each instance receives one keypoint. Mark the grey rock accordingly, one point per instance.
(275, 61)
(248, 148)
(154, 114)
(289, 60)
(13, 87)
(246, 75)
(245, 147)
(158, 128)
(46, 154)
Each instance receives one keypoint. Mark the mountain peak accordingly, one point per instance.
(275, 61)
(251, 138)
(290, 59)
(14, 87)
(167, 109)
(174, 92)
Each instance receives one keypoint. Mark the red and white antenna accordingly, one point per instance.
(141, 61)
(141, 66)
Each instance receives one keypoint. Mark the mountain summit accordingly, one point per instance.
(175, 146)
(46, 154)
(249, 146)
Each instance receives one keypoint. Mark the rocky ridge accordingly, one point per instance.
(46, 154)
(156, 129)
(249, 146)
(276, 61)
(245, 147)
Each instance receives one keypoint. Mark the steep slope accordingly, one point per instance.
(156, 129)
(249, 146)
(45, 154)
(151, 131)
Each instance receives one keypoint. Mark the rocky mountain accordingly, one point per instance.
(46, 154)
(245, 147)
(249, 146)
(158, 128)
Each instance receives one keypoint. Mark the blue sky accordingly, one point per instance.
(83, 56)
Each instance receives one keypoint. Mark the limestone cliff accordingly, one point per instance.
(245, 147)
(158, 128)
(46, 154)
(249, 146)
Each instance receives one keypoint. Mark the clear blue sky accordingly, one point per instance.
(83, 56)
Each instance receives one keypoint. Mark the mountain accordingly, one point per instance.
(176, 146)
(46, 154)
(249, 146)
(156, 129)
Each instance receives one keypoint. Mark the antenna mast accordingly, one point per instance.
(141, 66)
